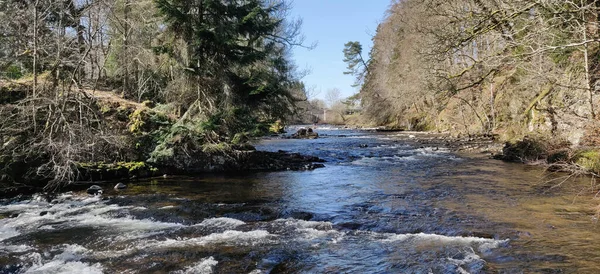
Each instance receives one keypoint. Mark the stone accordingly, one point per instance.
(363, 145)
(120, 186)
(304, 133)
(94, 190)
(43, 213)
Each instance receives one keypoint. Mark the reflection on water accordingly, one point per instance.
(382, 204)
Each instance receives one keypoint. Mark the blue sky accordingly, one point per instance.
(332, 23)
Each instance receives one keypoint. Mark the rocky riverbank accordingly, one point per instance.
(553, 154)
(225, 161)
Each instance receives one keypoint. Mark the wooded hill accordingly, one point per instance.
(151, 81)
(508, 67)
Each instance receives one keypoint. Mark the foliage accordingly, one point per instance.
(527, 150)
(589, 160)
(357, 66)
(124, 81)
(507, 67)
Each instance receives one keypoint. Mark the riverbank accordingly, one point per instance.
(556, 155)
(552, 153)
(230, 162)
(119, 139)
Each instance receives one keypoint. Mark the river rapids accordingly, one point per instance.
(382, 204)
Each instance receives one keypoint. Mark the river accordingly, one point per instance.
(382, 204)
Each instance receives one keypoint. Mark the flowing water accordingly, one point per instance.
(382, 204)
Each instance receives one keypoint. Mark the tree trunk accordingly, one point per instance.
(591, 69)
(35, 59)
(126, 47)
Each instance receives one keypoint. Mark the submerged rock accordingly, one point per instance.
(94, 190)
(120, 186)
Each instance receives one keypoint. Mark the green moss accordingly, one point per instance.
(211, 148)
(240, 138)
(136, 121)
(277, 127)
(161, 153)
(105, 109)
(129, 166)
(589, 159)
(132, 166)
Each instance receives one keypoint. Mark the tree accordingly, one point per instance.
(333, 96)
(357, 66)
(218, 68)
(484, 66)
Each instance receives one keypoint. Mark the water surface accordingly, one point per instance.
(382, 204)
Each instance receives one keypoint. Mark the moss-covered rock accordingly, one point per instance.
(111, 171)
(588, 159)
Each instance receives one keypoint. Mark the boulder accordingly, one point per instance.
(305, 133)
(94, 190)
(120, 186)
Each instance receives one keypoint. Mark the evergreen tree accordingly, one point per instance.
(236, 65)
(357, 66)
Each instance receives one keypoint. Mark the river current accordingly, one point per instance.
(382, 204)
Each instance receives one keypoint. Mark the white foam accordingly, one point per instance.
(311, 230)
(374, 161)
(7, 232)
(295, 223)
(237, 238)
(65, 267)
(311, 234)
(76, 212)
(127, 224)
(470, 258)
(66, 262)
(205, 266)
(484, 244)
(222, 222)
(472, 262)
(15, 248)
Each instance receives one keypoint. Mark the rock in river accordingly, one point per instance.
(120, 186)
(304, 133)
(94, 190)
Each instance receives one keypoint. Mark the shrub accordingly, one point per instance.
(527, 150)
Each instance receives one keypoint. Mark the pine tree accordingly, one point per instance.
(233, 58)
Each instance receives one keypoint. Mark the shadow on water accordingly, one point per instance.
(382, 204)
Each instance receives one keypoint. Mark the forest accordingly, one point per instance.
(101, 84)
(513, 69)
(93, 86)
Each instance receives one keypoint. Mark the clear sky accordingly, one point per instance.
(332, 23)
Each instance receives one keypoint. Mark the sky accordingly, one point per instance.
(332, 23)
